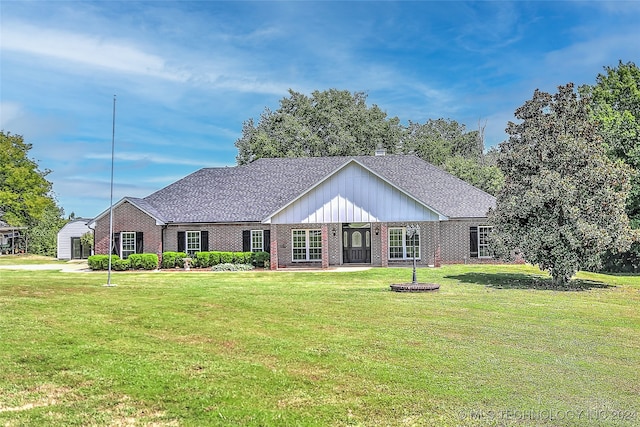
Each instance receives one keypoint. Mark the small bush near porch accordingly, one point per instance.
(494, 346)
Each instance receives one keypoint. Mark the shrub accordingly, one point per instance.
(214, 258)
(180, 256)
(261, 259)
(96, 262)
(118, 264)
(170, 259)
(232, 267)
(226, 257)
(101, 262)
(201, 259)
(238, 258)
(143, 261)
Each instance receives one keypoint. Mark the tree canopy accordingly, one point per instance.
(24, 189)
(329, 123)
(615, 102)
(563, 201)
(25, 195)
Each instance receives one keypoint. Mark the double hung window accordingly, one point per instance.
(127, 244)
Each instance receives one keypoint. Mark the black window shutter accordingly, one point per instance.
(139, 243)
(266, 240)
(181, 241)
(116, 244)
(246, 240)
(204, 241)
(473, 242)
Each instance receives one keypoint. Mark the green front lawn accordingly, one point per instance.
(494, 346)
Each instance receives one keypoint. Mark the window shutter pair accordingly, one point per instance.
(246, 240)
(473, 242)
(204, 241)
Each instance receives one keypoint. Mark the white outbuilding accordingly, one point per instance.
(69, 243)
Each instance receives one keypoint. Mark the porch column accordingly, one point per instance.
(274, 248)
(325, 245)
(384, 246)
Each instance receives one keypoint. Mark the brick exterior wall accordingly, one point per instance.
(127, 217)
(445, 242)
(454, 237)
(222, 237)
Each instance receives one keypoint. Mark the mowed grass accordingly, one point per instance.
(494, 346)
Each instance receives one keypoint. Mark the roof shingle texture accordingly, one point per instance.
(251, 193)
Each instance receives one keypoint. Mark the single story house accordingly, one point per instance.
(69, 244)
(319, 211)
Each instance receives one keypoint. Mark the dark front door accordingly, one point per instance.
(356, 243)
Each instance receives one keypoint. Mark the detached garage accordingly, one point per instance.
(69, 244)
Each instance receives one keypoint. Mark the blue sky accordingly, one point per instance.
(187, 74)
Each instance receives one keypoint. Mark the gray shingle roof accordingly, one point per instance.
(253, 192)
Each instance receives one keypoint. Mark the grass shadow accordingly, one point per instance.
(526, 281)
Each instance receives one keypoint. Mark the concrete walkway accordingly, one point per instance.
(67, 267)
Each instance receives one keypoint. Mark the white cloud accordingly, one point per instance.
(130, 156)
(84, 49)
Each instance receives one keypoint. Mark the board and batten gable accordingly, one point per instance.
(353, 194)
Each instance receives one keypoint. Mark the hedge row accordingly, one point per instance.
(176, 260)
(209, 259)
(134, 261)
(101, 262)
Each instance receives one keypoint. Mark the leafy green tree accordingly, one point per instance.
(484, 176)
(24, 190)
(563, 202)
(25, 195)
(42, 237)
(328, 123)
(615, 100)
(437, 140)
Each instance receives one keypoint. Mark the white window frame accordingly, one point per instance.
(192, 250)
(254, 237)
(406, 245)
(124, 253)
(311, 253)
(483, 245)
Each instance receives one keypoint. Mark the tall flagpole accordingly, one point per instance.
(113, 143)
